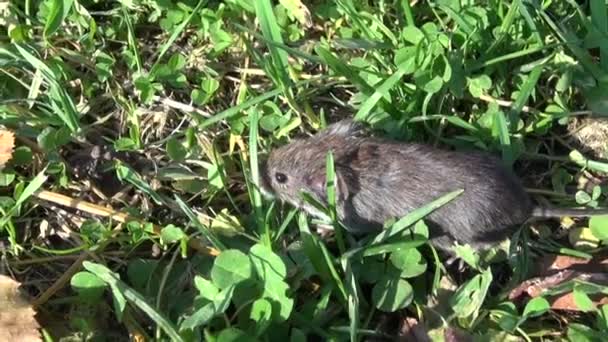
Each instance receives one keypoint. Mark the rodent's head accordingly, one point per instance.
(300, 166)
(291, 169)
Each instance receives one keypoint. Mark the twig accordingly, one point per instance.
(504, 103)
(181, 106)
(60, 283)
(115, 215)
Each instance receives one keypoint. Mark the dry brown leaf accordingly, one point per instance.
(7, 143)
(566, 301)
(17, 321)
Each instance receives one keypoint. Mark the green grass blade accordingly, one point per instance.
(61, 101)
(381, 91)
(582, 161)
(502, 130)
(509, 56)
(34, 185)
(127, 174)
(352, 299)
(239, 108)
(255, 176)
(456, 121)
(270, 30)
(320, 257)
(407, 12)
(415, 216)
(133, 297)
(331, 180)
(524, 93)
(523, 10)
(131, 38)
(285, 47)
(177, 32)
(599, 18)
(251, 102)
(566, 36)
(343, 69)
(353, 14)
(208, 234)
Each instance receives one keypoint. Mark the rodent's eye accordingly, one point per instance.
(280, 177)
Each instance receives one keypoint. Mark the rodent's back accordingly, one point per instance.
(395, 178)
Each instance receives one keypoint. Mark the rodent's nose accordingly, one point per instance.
(262, 167)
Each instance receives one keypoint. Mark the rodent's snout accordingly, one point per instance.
(265, 186)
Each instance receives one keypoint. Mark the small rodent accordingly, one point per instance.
(379, 179)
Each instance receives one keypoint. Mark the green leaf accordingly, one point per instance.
(233, 335)
(599, 226)
(125, 144)
(391, 294)
(22, 155)
(215, 177)
(140, 271)
(59, 10)
(412, 34)
(582, 197)
(230, 268)
(582, 300)
(203, 315)
(469, 297)
(261, 314)
(579, 159)
(390, 247)
(177, 32)
(176, 150)
(582, 333)
(51, 139)
(266, 263)
(177, 62)
(478, 85)
(468, 255)
(536, 307)
(206, 289)
(271, 269)
(409, 261)
(6, 178)
(89, 286)
(319, 256)
(171, 233)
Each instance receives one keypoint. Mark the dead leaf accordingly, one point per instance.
(7, 143)
(17, 321)
(565, 301)
(551, 263)
(298, 10)
(536, 286)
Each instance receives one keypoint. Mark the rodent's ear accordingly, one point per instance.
(347, 128)
(317, 183)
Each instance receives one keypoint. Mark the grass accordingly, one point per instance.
(164, 235)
